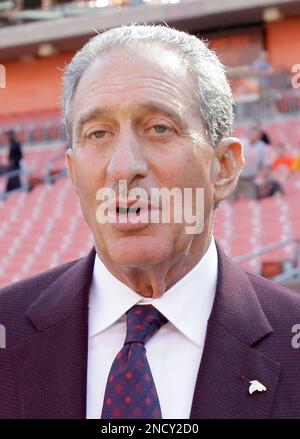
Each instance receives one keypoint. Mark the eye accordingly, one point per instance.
(99, 134)
(159, 129)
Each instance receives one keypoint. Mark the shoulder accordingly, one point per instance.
(264, 286)
(281, 305)
(17, 297)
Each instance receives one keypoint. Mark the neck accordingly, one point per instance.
(153, 281)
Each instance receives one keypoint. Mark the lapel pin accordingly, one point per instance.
(255, 385)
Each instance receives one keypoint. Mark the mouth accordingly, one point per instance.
(131, 214)
(129, 211)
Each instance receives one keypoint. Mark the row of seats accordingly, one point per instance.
(33, 127)
(40, 230)
(45, 228)
(249, 225)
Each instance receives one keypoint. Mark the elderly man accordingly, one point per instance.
(156, 322)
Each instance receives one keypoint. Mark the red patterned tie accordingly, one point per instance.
(130, 390)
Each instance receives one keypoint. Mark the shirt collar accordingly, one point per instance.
(187, 304)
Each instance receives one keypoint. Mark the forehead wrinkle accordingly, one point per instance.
(183, 105)
(121, 66)
(91, 88)
(125, 80)
(103, 77)
(129, 86)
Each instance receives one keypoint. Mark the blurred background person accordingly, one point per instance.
(265, 137)
(263, 70)
(15, 156)
(256, 165)
(281, 168)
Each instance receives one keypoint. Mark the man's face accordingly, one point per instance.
(135, 119)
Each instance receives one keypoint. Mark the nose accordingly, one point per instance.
(127, 161)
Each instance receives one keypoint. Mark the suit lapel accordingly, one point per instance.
(236, 326)
(52, 366)
(220, 390)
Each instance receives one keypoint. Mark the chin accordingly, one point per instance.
(138, 253)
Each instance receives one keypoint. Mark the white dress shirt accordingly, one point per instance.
(174, 352)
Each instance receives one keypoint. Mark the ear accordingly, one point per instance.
(69, 155)
(228, 162)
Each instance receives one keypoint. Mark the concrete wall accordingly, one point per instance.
(33, 85)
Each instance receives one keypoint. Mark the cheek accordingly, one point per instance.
(187, 171)
(89, 174)
(196, 173)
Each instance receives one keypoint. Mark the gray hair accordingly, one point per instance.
(212, 90)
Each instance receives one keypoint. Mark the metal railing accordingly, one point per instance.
(35, 132)
(24, 180)
(279, 103)
(288, 274)
(52, 173)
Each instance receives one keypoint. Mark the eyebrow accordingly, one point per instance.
(89, 116)
(149, 107)
(178, 116)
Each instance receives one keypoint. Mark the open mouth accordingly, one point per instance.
(129, 211)
(128, 214)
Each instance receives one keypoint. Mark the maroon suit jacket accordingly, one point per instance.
(43, 369)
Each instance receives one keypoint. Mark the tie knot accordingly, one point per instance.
(143, 321)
